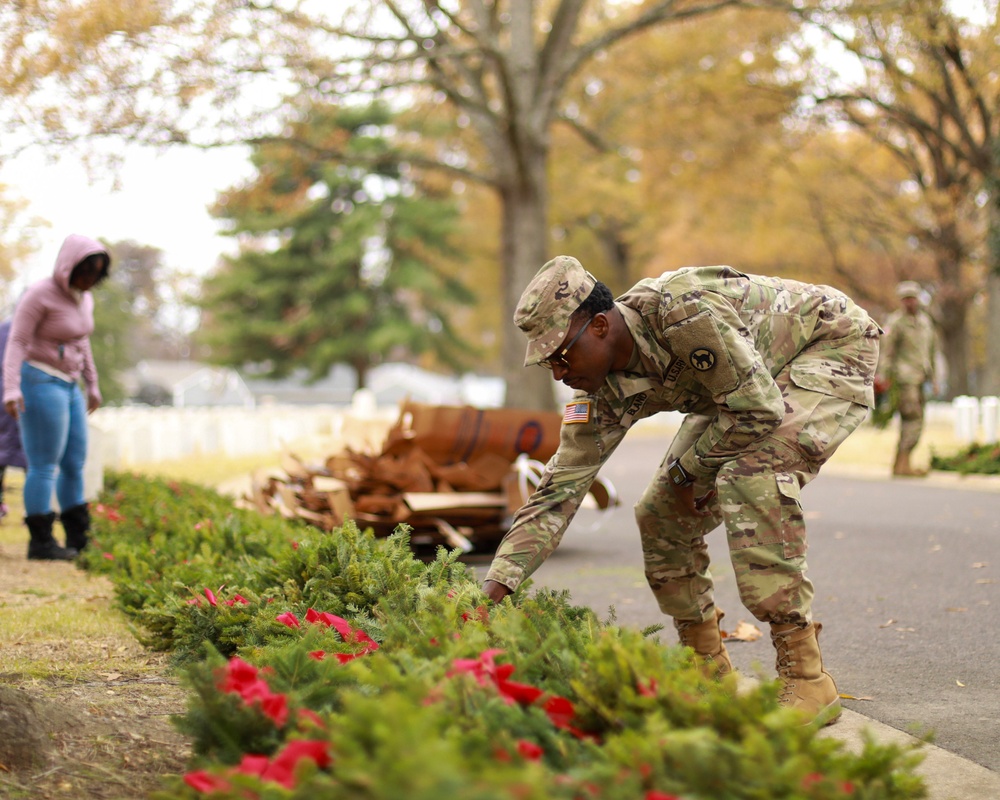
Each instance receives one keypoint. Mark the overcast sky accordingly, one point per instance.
(162, 201)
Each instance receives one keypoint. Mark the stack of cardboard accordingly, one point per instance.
(454, 474)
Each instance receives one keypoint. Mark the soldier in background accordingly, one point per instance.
(772, 376)
(907, 365)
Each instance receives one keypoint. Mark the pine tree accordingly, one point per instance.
(337, 264)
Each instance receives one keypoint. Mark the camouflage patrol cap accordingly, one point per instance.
(545, 307)
(909, 289)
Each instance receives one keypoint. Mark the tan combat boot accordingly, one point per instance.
(806, 685)
(705, 638)
(903, 468)
(902, 464)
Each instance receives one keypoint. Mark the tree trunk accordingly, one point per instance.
(615, 247)
(953, 314)
(954, 346)
(361, 373)
(990, 383)
(524, 245)
(952, 298)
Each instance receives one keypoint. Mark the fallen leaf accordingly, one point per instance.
(853, 697)
(111, 676)
(887, 623)
(907, 630)
(745, 632)
(984, 580)
(934, 549)
(960, 683)
(956, 608)
(980, 564)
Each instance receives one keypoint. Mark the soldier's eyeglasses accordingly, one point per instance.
(559, 360)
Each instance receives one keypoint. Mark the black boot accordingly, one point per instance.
(43, 547)
(76, 523)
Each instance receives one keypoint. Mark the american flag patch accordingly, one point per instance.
(578, 411)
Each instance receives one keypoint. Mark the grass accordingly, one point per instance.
(207, 471)
(56, 622)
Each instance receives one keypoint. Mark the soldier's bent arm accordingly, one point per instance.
(539, 524)
(691, 429)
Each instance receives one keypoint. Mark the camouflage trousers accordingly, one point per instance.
(760, 505)
(911, 416)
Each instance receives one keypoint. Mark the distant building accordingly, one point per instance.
(186, 384)
(388, 384)
(337, 388)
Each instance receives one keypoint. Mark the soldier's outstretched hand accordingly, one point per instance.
(495, 591)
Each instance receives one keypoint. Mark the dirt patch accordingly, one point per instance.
(85, 713)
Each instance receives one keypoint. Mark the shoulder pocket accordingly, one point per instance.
(698, 341)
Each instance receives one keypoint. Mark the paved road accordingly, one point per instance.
(908, 588)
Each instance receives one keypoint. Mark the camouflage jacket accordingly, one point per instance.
(710, 341)
(909, 348)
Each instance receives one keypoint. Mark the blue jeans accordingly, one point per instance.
(54, 433)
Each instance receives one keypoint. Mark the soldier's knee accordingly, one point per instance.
(656, 510)
(646, 517)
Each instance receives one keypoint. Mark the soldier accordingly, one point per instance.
(772, 376)
(907, 365)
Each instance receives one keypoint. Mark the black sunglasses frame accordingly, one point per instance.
(559, 360)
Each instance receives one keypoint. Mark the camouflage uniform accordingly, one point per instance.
(908, 354)
(772, 375)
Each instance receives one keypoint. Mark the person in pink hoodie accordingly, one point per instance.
(48, 352)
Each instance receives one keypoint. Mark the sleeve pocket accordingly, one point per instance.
(698, 341)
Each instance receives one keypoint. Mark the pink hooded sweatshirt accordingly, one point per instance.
(52, 324)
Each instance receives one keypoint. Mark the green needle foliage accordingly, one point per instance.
(410, 684)
(976, 459)
(345, 257)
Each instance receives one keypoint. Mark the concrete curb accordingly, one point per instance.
(948, 776)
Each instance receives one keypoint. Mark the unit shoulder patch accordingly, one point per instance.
(702, 359)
